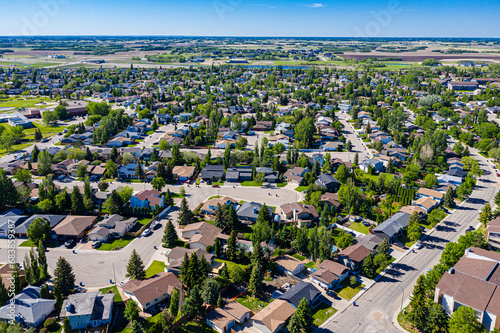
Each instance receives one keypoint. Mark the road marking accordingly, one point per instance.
(381, 300)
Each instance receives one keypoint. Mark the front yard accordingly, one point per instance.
(348, 290)
(193, 327)
(116, 244)
(322, 313)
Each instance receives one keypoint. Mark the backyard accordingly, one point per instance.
(155, 268)
(255, 304)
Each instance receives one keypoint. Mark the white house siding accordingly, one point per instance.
(212, 325)
(318, 282)
(447, 303)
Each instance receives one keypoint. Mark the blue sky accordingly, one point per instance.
(355, 18)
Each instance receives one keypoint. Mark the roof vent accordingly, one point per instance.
(70, 307)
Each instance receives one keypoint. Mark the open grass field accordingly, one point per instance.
(21, 102)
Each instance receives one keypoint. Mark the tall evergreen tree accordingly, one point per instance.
(448, 198)
(4, 295)
(256, 277)
(417, 314)
(232, 218)
(174, 302)
(135, 267)
(170, 236)
(185, 216)
(231, 246)
(193, 306)
(64, 278)
(77, 203)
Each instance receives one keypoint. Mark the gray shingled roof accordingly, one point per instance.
(29, 306)
(393, 224)
(52, 219)
(301, 290)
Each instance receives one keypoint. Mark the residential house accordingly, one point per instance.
(27, 308)
(300, 291)
(210, 205)
(212, 173)
(91, 309)
(147, 198)
(330, 200)
(249, 211)
(270, 176)
(114, 226)
(329, 274)
(223, 319)
(183, 173)
(427, 204)
(238, 174)
(392, 227)
(372, 164)
(353, 256)
(73, 227)
(149, 292)
(474, 282)
(428, 193)
(328, 182)
(175, 257)
(493, 233)
(9, 219)
(274, 317)
(53, 220)
(298, 212)
(289, 265)
(202, 234)
(295, 175)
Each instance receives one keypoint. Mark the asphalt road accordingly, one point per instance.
(375, 309)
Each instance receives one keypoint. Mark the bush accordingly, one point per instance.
(50, 324)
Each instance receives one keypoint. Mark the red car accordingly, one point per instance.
(498, 174)
(215, 185)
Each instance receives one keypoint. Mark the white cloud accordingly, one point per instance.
(317, 5)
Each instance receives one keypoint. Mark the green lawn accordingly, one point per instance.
(255, 304)
(359, 227)
(251, 183)
(155, 268)
(117, 243)
(117, 298)
(374, 178)
(46, 130)
(405, 323)
(322, 313)
(229, 264)
(349, 290)
(144, 220)
(20, 103)
(14, 148)
(137, 181)
(311, 265)
(193, 327)
(282, 184)
(218, 183)
(29, 243)
(298, 256)
(301, 188)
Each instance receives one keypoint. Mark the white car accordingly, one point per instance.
(146, 232)
(418, 245)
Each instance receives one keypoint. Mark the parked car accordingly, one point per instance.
(498, 174)
(69, 243)
(418, 245)
(96, 245)
(215, 185)
(45, 140)
(155, 224)
(146, 232)
(470, 228)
